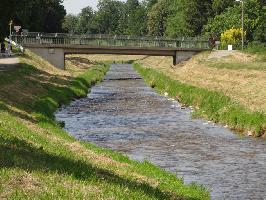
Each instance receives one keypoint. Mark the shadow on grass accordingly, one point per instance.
(16, 153)
(4, 107)
(35, 90)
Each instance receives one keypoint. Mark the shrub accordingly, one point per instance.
(233, 37)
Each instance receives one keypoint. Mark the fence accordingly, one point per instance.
(110, 41)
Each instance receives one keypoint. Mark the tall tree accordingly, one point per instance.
(149, 3)
(254, 20)
(85, 22)
(35, 15)
(157, 18)
(219, 6)
(108, 15)
(70, 24)
(8, 10)
(188, 17)
(136, 18)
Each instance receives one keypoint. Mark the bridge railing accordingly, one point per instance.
(109, 41)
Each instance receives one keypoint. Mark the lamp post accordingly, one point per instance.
(10, 29)
(242, 19)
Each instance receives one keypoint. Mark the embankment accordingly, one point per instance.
(39, 160)
(226, 89)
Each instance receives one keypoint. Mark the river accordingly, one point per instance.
(125, 115)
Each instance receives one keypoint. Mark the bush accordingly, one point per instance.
(233, 37)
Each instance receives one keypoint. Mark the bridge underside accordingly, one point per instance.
(56, 54)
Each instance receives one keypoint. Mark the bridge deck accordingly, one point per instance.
(53, 47)
(64, 40)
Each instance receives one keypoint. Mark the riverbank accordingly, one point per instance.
(40, 160)
(228, 89)
(240, 76)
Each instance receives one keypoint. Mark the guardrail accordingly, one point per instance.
(110, 40)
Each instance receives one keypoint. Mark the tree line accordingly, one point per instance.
(35, 15)
(170, 18)
(167, 18)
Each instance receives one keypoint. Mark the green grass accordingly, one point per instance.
(38, 160)
(258, 49)
(230, 63)
(210, 105)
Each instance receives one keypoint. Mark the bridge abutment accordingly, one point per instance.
(181, 56)
(55, 56)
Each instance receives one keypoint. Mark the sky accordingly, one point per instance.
(75, 6)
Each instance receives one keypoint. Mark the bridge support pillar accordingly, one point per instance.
(181, 56)
(55, 56)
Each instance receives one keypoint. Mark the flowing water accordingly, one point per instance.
(123, 114)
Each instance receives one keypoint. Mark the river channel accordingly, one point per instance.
(125, 115)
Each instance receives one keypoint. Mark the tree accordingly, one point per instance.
(8, 10)
(254, 20)
(188, 17)
(149, 3)
(70, 24)
(53, 14)
(108, 15)
(85, 21)
(136, 18)
(157, 18)
(219, 6)
(35, 15)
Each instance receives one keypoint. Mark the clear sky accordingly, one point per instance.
(75, 6)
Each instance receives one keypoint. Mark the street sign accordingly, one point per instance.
(17, 28)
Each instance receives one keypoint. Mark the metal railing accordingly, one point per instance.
(110, 41)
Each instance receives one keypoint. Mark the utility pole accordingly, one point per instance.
(242, 19)
(242, 25)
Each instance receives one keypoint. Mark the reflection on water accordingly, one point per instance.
(123, 114)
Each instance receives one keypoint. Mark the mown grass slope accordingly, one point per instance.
(211, 105)
(240, 76)
(38, 160)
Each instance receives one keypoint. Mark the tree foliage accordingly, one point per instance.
(108, 16)
(157, 18)
(136, 18)
(35, 15)
(169, 18)
(70, 24)
(254, 20)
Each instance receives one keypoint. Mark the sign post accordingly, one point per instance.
(10, 28)
(17, 28)
(10, 34)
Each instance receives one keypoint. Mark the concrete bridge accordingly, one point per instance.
(54, 46)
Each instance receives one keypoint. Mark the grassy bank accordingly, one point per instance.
(38, 160)
(246, 87)
(252, 58)
(257, 49)
(209, 104)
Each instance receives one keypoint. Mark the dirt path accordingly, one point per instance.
(220, 54)
(7, 63)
